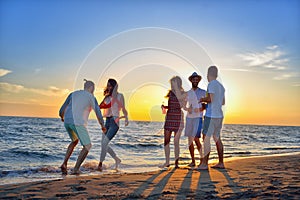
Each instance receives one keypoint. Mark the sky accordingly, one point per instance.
(48, 47)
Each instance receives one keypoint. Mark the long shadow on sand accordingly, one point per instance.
(206, 187)
(190, 187)
(157, 190)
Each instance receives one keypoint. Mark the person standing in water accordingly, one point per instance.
(193, 124)
(174, 119)
(112, 104)
(213, 118)
(74, 113)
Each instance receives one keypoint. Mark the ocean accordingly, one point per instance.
(32, 149)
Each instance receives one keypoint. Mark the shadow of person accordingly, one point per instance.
(185, 188)
(206, 188)
(231, 184)
(157, 189)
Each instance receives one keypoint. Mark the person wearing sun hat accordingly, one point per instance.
(194, 116)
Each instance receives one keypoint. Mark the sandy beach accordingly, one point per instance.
(270, 177)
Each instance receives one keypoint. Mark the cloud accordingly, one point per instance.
(238, 70)
(50, 91)
(283, 77)
(286, 76)
(296, 84)
(272, 47)
(11, 87)
(37, 70)
(270, 58)
(3, 72)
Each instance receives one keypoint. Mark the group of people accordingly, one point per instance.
(75, 112)
(196, 101)
(76, 109)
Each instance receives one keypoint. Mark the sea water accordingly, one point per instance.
(34, 148)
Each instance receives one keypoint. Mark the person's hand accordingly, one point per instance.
(126, 122)
(162, 106)
(104, 129)
(190, 110)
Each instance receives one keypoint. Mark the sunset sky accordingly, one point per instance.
(47, 47)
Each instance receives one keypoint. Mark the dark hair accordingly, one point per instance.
(114, 85)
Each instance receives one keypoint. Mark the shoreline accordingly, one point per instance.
(23, 180)
(272, 176)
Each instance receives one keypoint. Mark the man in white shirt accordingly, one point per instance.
(74, 113)
(194, 115)
(213, 117)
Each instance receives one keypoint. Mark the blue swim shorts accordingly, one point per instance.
(78, 132)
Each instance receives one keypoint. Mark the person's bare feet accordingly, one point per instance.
(76, 172)
(203, 167)
(118, 161)
(192, 164)
(164, 165)
(100, 168)
(176, 163)
(64, 169)
(219, 166)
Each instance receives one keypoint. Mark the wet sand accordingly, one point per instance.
(270, 177)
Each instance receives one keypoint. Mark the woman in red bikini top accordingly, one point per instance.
(113, 103)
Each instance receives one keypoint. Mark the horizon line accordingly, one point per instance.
(155, 121)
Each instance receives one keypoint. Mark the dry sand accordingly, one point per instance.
(272, 177)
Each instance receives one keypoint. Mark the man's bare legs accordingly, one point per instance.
(84, 152)
(198, 144)
(191, 149)
(64, 166)
(220, 150)
(206, 146)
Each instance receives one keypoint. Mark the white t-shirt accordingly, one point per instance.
(214, 109)
(78, 106)
(193, 98)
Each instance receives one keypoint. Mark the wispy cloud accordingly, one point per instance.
(238, 70)
(283, 77)
(297, 84)
(50, 91)
(11, 87)
(37, 70)
(271, 58)
(4, 72)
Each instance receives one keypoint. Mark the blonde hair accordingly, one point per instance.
(177, 83)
